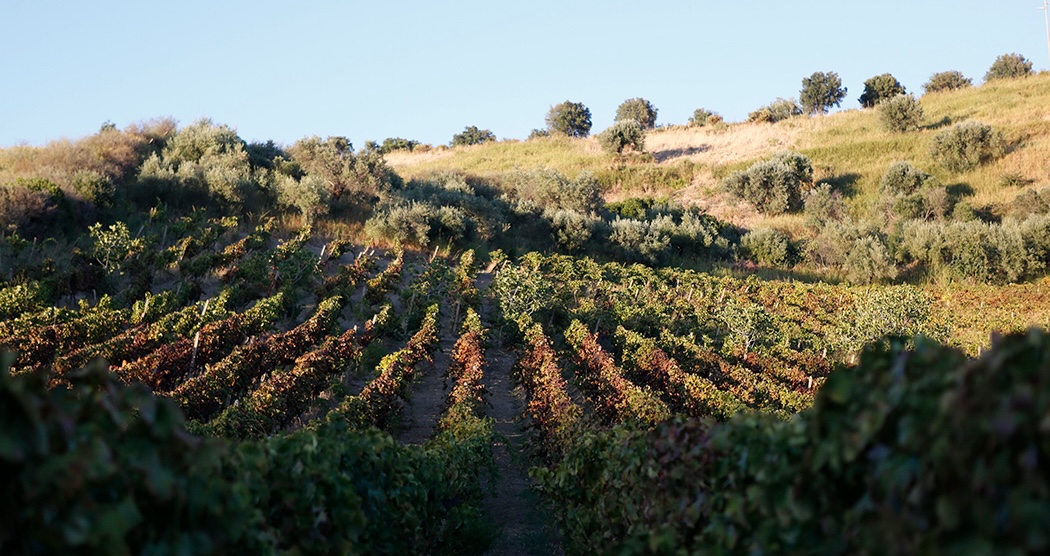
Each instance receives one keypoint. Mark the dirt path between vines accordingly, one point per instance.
(427, 394)
(515, 508)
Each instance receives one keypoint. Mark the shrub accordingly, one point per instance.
(778, 110)
(346, 174)
(821, 91)
(571, 229)
(639, 110)
(700, 117)
(391, 144)
(1009, 66)
(880, 88)
(902, 179)
(623, 134)
(549, 189)
(772, 186)
(823, 204)
(768, 246)
(859, 250)
(638, 241)
(471, 135)
(966, 145)
(1030, 202)
(569, 118)
(538, 133)
(24, 209)
(93, 187)
(901, 113)
(309, 195)
(404, 224)
(947, 81)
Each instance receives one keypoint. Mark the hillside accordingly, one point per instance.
(746, 339)
(848, 148)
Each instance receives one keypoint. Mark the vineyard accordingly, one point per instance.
(210, 346)
(247, 388)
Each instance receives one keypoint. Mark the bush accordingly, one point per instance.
(1009, 66)
(571, 229)
(821, 91)
(346, 174)
(824, 204)
(885, 311)
(638, 241)
(1030, 202)
(772, 186)
(768, 246)
(700, 117)
(25, 209)
(639, 110)
(623, 134)
(538, 133)
(861, 251)
(966, 145)
(778, 110)
(549, 189)
(901, 113)
(569, 118)
(94, 188)
(880, 88)
(903, 179)
(471, 135)
(391, 144)
(947, 81)
(309, 195)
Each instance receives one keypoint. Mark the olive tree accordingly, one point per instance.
(821, 91)
(569, 118)
(639, 110)
(880, 88)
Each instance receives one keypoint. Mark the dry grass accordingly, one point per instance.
(722, 146)
(569, 156)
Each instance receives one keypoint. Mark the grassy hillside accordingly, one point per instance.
(849, 149)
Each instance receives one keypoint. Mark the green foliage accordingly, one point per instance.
(25, 209)
(471, 135)
(886, 462)
(861, 251)
(966, 145)
(114, 246)
(769, 247)
(821, 91)
(309, 195)
(1009, 66)
(947, 81)
(571, 229)
(902, 179)
(778, 110)
(979, 251)
(823, 204)
(700, 117)
(880, 88)
(202, 161)
(886, 311)
(900, 113)
(549, 189)
(393, 144)
(749, 325)
(623, 134)
(94, 188)
(345, 173)
(538, 134)
(639, 110)
(773, 186)
(569, 118)
(639, 240)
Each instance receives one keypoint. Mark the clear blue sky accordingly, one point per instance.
(425, 69)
